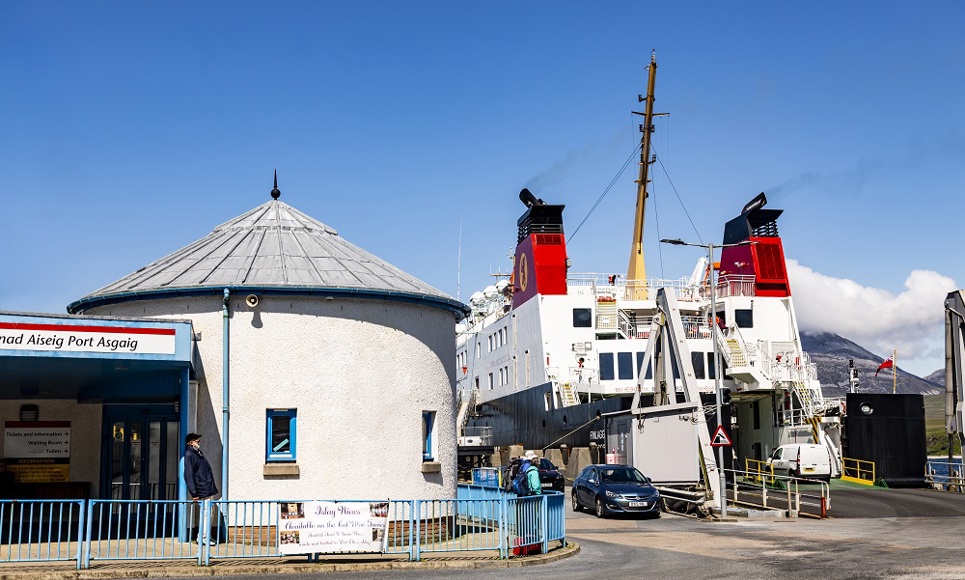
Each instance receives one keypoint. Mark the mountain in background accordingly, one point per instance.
(831, 353)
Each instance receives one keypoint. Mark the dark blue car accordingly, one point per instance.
(615, 489)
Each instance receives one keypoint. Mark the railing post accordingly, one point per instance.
(418, 531)
(544, 522)
(503, 528)
(84, 535)
(204, 534)
(789, 505)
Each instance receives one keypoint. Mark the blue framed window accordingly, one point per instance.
(428, 424)
(281, 430)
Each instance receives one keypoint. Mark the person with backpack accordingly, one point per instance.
(526, 483)
(530, 468)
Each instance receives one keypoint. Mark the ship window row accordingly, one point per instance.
(743, 318)
(498, 338)
(620, 366)
(502, 377)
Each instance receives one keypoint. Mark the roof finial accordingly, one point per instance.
(276, 193)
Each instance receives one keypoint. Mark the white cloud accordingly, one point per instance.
(911, 322)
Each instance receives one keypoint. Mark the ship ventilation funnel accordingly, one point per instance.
(528, 199)
(757, 202)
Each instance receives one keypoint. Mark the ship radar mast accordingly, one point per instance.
(636, 271)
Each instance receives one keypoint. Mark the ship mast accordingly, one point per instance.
(636, 271)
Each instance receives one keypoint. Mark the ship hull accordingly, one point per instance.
(521, 418)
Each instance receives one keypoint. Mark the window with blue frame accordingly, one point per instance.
(281, 428)
(428, 424)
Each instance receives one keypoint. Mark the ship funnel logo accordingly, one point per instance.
(523, 272)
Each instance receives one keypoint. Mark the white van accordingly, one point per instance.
(802, 460)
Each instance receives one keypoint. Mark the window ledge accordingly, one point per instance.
(431, 467)
(281, 469)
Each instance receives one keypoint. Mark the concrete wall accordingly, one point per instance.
(85, 433)
(359, 373)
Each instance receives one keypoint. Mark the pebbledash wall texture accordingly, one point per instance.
(357, 347)
(359, 373)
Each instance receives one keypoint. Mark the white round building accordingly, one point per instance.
(319, 370)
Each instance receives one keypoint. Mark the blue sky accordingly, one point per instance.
(130, 129)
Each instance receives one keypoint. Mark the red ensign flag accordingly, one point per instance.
(885, 365)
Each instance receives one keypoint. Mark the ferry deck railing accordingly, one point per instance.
(795, 496)
(481, 519)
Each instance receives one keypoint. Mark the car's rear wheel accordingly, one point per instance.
(600, 508)
(576, 504)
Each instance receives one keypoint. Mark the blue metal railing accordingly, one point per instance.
(41, 530)
(139, 530)
(481, 518)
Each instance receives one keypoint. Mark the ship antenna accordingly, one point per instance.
(636, 270)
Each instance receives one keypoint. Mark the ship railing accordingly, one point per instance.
(730, 285)
(796, 497)
(695, 326)
(632, 326)
(581, 375)
(616, 286)
(480, 435)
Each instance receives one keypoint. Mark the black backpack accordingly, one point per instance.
(511, 472)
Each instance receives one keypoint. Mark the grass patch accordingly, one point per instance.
(935, 437)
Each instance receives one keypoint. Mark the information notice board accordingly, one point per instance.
(328, 527)
(37, 451)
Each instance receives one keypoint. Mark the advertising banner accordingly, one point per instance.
(328, 527)
(37, 451)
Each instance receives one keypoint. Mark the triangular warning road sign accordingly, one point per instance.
(720, 438)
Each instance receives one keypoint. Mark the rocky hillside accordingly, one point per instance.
(831, 352)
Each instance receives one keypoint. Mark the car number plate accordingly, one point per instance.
(638, 504)
(808, 469)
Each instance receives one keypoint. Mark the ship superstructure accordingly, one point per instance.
(546, 352)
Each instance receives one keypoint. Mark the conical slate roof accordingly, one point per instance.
(272, 247)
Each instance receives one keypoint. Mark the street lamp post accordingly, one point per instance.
(717, 386)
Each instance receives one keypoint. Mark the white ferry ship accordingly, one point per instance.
(547, 351)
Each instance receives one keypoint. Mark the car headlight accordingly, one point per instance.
(613, 495)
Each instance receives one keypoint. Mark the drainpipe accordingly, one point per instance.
(224, 395)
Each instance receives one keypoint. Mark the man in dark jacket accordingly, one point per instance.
(197, 470)
(199, 479)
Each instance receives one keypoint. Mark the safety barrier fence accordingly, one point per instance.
(41, 530)
(480, 519)
(760, 471)
(795, 496)
(858, 471)
(945, 475)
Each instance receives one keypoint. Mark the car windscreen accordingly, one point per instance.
(545, 464)
(624, 475)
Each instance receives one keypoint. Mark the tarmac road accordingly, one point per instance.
(675, 547)
(875, 502)
(882, 545)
